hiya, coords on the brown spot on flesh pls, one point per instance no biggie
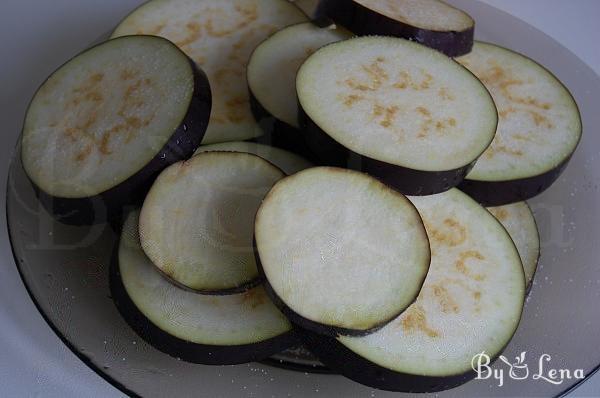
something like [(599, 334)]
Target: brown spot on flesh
[(415, 320), (444, 298), (538, 119), (376, 76), (405, 80), (445, 94), (221, 74), (351, 99), (235, 108), (254, 298), (246, 14), (84, 154), (521, 137), (455, 234), (477, 295), (155, 30), (500, 78), (461, 264), (128, 74), (500, 213), (388, 114), (194, 32)]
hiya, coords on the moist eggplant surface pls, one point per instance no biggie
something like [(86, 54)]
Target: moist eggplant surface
[(539, 127), (219, 36), (471, 302), (197, 221), (519, 221), (341, 252), (288, 162), (203, 329), (396, 109), (106, 122)]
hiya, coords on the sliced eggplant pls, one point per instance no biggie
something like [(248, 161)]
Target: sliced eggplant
[(210, 330), (219, 36), (104, 124), (274, 63), (538, 131), (341, 253), (471, 302), (272, 81), (519, 221), (429, 22), (197, 221), (397, 110), (288, 162)]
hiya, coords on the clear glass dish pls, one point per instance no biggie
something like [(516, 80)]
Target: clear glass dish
[(65, 270)]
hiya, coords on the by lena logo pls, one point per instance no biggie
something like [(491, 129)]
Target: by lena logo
[(519, 369)]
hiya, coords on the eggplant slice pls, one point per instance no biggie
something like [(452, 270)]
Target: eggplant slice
[(104, 124), (471, 302), (202, 329), (219, 36), (429, 22), (274, 63), (538, 131), (272, 81), (397, 110), (288, 162), (197, 221), (519, 221), (341, 252)]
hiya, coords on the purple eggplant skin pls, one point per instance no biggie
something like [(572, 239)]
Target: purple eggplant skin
[(304, 323), (108, 205), (185, 350), (221, 292), (351, 365), (405, 180), (498, 193), (278, 133), (363, 21)]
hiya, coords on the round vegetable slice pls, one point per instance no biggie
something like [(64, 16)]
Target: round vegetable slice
[(274, 63), (197, 221), (288, 162), (519, 221), (398, 110), (429, 22), (538, 130), (471, 302), (272, 81), (219, 36), (202, 329), (341, 252), (101, 127)]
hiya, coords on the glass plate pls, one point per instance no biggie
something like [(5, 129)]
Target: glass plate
[(65, 270)]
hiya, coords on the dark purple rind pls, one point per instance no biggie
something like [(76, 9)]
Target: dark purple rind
[(405, 180), (185, 350), (364, 21), (108, 205), (278, 133), (351, 365), (529, 284), (498, 193), (244, 287), (305, 323)]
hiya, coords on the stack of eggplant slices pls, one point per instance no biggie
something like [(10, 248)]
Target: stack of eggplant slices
[(255, 156)]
